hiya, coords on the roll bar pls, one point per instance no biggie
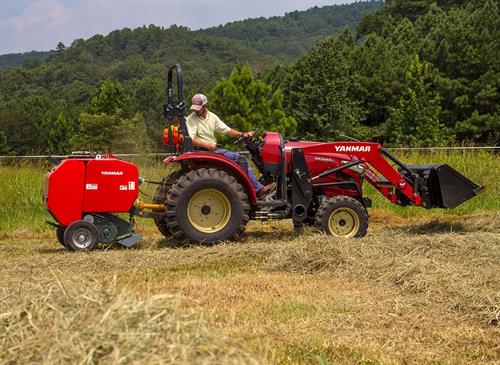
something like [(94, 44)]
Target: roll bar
[(173, 110)]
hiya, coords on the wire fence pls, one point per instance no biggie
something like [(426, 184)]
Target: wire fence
[(158, 154)]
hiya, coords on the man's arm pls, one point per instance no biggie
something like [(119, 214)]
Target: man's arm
[(236, 134), (222, 127), (204, 144)]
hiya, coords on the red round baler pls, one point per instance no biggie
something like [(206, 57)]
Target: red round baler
[(83, 192)]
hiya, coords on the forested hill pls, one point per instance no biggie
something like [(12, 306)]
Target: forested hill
[(412, 73), (20, 59), (260, 40), (295, 33)]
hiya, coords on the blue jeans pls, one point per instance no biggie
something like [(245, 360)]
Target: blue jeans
[(234, 156)]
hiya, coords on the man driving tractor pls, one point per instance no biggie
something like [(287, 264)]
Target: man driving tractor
[(202, 125)]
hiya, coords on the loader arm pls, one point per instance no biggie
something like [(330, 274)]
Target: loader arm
[(433, 186), (375, 157)]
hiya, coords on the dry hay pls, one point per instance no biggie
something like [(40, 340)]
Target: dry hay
[(418, 291), (57, 322)]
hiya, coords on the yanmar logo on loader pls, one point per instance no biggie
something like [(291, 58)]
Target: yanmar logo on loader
[(352, 148), (114, 173)]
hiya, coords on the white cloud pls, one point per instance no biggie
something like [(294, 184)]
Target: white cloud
[(44, 23)]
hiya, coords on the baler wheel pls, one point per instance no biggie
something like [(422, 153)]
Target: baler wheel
[(207, 206), (342, 216), (160, 197), (81, 236), (60, 235)]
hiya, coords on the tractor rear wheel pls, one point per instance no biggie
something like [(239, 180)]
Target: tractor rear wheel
[(160, 197), (342, 216), (207, 206)]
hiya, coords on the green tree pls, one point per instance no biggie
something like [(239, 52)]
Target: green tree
[(110, 99), (60, 134), (320, 91), (377, 68), (245, 103), (111, 133), (4, 145), (415, 121), (18, 132)]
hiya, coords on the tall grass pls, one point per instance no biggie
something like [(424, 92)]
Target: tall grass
[(21, 187)]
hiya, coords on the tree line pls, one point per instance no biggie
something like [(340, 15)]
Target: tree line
[(412, 73)]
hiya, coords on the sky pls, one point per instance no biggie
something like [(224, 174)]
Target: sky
[(39, 25)]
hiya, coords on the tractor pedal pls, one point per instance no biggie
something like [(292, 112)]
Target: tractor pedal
[(130, 240)]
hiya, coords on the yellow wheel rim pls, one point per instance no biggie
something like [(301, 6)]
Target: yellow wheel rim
[(209, 210), (343, 222)]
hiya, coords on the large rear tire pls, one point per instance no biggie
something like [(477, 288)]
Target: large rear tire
[(342, 216), (161, 196), (207, 206)]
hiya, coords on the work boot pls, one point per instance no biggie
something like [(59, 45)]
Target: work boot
[(266, 190)]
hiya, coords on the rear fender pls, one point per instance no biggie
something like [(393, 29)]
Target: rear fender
[(195, 160)]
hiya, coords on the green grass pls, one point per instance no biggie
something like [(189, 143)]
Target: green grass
[(21, 187)]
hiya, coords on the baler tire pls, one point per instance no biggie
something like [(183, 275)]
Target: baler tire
[(60, 235), (160, 197), (216, 191), (348, 210), (88, 233)]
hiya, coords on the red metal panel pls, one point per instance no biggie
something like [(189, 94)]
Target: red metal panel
[(209, 159), (271, 152), (111, 185), (64, 191)]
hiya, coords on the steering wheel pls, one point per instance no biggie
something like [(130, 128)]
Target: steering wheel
[(242, 139)]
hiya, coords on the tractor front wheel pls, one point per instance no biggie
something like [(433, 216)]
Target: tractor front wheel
[(207, 206), (342, 216)]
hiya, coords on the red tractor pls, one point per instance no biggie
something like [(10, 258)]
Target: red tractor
[(209, 198)]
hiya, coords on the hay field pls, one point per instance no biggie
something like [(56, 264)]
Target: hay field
[(421, 290), (422, 287)]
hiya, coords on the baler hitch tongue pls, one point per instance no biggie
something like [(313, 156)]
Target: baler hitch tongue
[(444, 187)]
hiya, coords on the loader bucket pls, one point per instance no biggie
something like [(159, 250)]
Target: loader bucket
[(444, 187)]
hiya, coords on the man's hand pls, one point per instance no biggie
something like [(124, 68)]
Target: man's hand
[(204, 144), (248, 135)]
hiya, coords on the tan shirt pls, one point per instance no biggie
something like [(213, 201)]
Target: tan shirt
[(205, 128)]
